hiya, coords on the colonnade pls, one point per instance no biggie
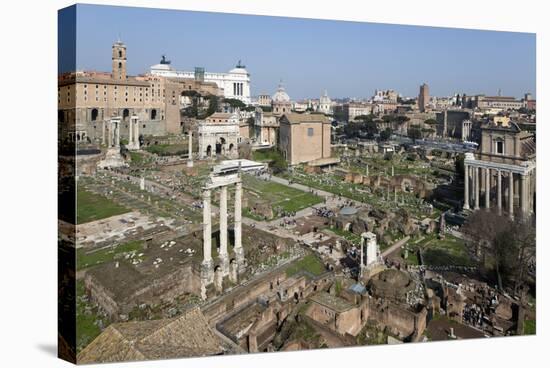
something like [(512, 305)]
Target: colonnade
[(110, 132), (507, 184)]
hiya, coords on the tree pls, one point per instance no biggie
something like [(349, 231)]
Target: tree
[(212, 105), (385, 134), (414, 133), (388, 118), (506, 246), (402, 119), (364, 117), (371, 129), (235, 103), (430, 122)]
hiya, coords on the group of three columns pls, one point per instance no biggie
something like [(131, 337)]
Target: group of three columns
[(224, 263)]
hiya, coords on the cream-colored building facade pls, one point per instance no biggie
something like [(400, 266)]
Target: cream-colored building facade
[(88, 100)]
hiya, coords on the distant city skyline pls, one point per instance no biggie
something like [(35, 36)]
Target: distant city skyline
[(348, 59)]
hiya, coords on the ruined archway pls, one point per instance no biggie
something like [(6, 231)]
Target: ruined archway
[(220, 146), (125, 114)]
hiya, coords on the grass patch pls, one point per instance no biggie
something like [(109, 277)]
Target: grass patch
[(136, 158), (92, 207), (86, 258), (281, 197), (87, 318), (309, 263), (412, 258), (348, 235), (271, 156), (167, 149), (449, 251)]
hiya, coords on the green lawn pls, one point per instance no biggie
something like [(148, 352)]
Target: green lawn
[(412, 259), (86, 258), (450, 251), (274, 157), (86, 317), (309, 263), (280, 196), (92, 207), (335, 184), (168, 149), (137, 158), (348, 235)]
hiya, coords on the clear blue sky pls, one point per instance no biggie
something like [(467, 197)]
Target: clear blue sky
[(349, 59)]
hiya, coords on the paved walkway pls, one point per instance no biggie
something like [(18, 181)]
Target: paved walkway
[(395, 246)]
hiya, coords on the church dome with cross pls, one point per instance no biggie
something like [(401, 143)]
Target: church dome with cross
[(280, 95)]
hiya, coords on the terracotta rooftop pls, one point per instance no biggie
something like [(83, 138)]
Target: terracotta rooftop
[(293, 118)]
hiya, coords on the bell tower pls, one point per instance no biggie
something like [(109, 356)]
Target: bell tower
[(119, 60)]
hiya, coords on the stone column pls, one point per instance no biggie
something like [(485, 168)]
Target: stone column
[(239, 251), (511, 194), (516, 189), (223, 231), (112, 133), (523, 196), (487, 188), (466, 187), (136, 133), (190, 150), (110, 136), (117, 136), (499, 191), (529, 193), (206, 227), (477, 187), (103, 132), (130, 135), (361, 260)]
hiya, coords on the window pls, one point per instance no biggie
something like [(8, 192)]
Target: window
[(310, 132), (499, 147)]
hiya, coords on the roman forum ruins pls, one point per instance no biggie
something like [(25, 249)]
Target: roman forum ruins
[(222, 178)]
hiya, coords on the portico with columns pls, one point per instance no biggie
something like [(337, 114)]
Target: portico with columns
[(213, 271), (499, 183), (111, 138), (113, 132)]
